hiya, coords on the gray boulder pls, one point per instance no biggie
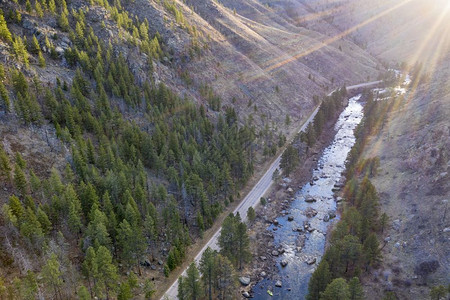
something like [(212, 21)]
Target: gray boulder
[(28, 24), (332, 214), (309, 199), (244, 280)]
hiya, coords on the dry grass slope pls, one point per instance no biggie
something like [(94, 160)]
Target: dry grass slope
[(414, 187), (256, 55)]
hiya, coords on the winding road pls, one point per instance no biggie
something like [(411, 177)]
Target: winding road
[(253, 197)]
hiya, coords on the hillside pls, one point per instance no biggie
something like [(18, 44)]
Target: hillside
[(250, 56), (127, 128), (396, 32), (413, 184)]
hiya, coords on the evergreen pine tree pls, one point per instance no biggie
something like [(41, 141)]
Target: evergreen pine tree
[(226, 282), (227, 238), (43, 220), (336, 290), (16, 207), (89, 269), (107, 272), (30, 226), (38, 9), (83, 293), (20, 181), (4, 97), (207, 268), (5, 167), (242, 244), (438, 292), (181, 293), (4, 31), (41, 59), (29, 286), (35, 48), (193, 284), (20, 50), (52, 276), (130, 242), (63, 22), (371, 249), (289, 160), (96, 231), (28, 6), (20, 161), (35, 182), (355, 289), (251, 215), (319, 281), (52, 6)]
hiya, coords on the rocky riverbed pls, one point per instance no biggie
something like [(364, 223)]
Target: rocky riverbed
[(289, 232)]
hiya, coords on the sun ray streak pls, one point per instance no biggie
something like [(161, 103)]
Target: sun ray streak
[(326, 42), (432, 60)]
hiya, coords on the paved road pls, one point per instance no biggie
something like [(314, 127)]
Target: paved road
[(252, 198), (366, 84), (361, 85)]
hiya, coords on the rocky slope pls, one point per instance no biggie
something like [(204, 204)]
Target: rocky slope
[(257, 56)]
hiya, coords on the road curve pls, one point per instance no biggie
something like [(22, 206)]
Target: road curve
[(252, 198)]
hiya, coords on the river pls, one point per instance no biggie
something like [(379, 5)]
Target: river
[(308, 244)]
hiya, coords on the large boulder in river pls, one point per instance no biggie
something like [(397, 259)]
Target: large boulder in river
[(309, 199), (310, 212), (278, 283), (246, 295), (332, 214), (244, 280), (275, 253), (284, 263), (311, 260), (339, 199)]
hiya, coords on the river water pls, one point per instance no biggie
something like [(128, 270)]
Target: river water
[(304, 246)]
